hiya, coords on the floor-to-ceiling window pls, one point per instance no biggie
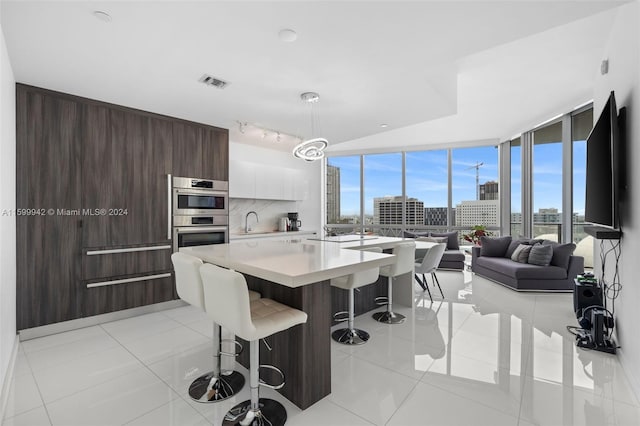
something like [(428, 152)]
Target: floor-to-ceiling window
[(581, 124), (427, 183), (383, 198), (516, 187), (547, 182), (343, 193), (475, 192)]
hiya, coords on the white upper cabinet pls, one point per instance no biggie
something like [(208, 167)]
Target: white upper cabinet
[(265, 182)]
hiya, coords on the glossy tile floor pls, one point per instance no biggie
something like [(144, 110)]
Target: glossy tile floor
[(484, 355)]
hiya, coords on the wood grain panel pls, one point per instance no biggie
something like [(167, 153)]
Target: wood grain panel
[(187, 150), (102, 300), (49, 137), (303, 352), (215, 154), (116, 264)]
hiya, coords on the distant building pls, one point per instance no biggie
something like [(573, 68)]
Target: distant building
[(333, 194), (489, 191), (550, 215), (436, 216), (388, 211), (478, 212)]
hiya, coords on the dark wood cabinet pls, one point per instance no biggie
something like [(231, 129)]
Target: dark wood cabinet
[(104, 170), (48, 152), (125, 169), (209, 145)]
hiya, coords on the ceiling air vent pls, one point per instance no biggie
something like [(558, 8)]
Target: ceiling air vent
[(212, 81)]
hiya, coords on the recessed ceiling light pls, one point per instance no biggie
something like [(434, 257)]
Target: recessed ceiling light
[(383, 125), (103, 16), (288, 35)]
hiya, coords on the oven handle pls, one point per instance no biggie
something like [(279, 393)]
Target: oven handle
[(196, 229), (193, 191), (169, 210)]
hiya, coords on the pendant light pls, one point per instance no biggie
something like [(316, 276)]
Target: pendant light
[(311, 149)]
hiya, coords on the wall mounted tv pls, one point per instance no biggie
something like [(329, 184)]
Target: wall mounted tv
[(605, 168)]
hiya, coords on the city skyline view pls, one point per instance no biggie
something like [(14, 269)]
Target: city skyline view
[(426, 177)]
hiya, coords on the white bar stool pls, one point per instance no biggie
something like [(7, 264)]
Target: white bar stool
[(214, 385), (227, 302), (352, 335), (405, 258)]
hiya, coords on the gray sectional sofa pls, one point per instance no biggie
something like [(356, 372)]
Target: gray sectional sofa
[(493, 260), (452, 258)]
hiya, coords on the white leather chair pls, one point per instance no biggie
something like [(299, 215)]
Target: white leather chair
[(405, 259), (429, 265), (212, 386), (352, 335), (227, 303)]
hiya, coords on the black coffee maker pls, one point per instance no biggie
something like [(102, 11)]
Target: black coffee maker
[(294, 223)]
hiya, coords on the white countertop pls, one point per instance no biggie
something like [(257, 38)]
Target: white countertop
[(296, 261), (268, 234)]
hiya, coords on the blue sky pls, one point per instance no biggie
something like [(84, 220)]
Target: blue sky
[(427, 176)]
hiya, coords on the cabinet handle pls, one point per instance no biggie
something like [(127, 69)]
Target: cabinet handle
[(127, 250), (169, 211), (129, 280)]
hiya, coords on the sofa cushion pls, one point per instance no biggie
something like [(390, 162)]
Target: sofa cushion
[(433, 239), (453, 256), (515, 243), (540, 255), (521, 253), (494, 246), (521, 270), (452, 243), (407, 234), (561, 253)]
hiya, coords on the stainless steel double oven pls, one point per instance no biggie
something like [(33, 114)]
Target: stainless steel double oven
[(200, 211)]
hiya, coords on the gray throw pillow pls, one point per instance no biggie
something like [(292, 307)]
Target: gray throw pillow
[(407, 234), (515, 243), (433, 239), (561, 254), (494, 246), (521, 253), (452, 239), (540, 255)]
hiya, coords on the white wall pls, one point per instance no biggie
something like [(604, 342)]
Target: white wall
[(623, 51), (269, 211), (7, 203)]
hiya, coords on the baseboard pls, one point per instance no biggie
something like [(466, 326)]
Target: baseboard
[(8, 378), (61, 327)]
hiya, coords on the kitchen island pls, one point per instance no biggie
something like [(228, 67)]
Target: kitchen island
[(296, 272)]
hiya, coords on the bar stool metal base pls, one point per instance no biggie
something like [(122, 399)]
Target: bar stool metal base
[(271, 413), (350, 336), (389, 317), (207, 389)]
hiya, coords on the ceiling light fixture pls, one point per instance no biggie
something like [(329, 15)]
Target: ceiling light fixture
[(384, 125), (103, 16), (288, 35), (311, 149), (242, 126)]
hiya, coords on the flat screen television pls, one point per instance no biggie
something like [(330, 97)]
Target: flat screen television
[(604, 168)]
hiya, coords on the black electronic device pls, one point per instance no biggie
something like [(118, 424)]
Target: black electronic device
[(597, 323), (585, 294), (604, 171)]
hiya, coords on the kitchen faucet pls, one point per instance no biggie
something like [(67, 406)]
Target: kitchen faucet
[(247, 228)]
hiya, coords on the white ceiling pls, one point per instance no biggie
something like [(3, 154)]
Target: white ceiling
[(436, 72)]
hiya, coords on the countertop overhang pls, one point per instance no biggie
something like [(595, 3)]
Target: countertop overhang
[(295, 262)]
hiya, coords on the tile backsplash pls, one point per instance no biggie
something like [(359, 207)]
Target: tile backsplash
[(269, 213)]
